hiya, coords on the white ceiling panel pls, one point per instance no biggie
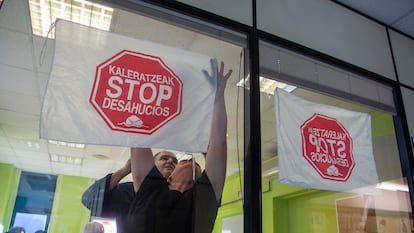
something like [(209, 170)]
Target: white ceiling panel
[(98, 164), (18, 80), (64, 150), (20, 132), (397, 14), (7, 151), (114, 153), (28, 145), (20, 103), (4, 142), (7, 157), (405, 24), (25, 164), (40, 169), (65, 169), (19, 119), (12, 40), (383, 10), (33, 162), (11, 9)]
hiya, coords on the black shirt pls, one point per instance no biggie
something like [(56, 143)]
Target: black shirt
[(157, 209), (109, 203)]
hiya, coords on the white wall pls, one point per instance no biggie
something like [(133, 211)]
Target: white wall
[(238, 10), (403, 49), (331, 29)]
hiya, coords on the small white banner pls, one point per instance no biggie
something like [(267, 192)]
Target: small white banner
[(109, 89), (322, 146)]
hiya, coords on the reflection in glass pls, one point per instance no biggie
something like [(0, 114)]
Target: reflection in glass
[(289, 208)]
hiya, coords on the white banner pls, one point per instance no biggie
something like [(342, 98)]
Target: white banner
[(322, 146), (109, 89)]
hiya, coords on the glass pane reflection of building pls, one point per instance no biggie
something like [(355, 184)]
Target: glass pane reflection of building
[(383, 208)]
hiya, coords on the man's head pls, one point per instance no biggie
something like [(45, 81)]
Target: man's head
[(165, 161), (182, 178), (93, 227), (16, 230)]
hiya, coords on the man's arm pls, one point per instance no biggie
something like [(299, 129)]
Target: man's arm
[(93, 197), (142, 162), (216, 158), (120, 174), (96, 192)]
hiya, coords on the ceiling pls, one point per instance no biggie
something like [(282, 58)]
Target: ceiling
[(398, 15), (24, 77)]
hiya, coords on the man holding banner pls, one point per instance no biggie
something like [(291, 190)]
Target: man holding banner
[(110, 199), (140, 94), (159, 206)]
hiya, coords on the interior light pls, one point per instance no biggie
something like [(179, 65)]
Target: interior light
[(72, 145), (43, 14), (31, 145), (392, 186), (268, 85), (65, 159)]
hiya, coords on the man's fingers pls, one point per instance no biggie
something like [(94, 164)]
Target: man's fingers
[(206, 73), (228, 74), (221, 68)]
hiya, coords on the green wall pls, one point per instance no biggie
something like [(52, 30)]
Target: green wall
[(285, 208), (10, 177), (231, 202), (68, 213)]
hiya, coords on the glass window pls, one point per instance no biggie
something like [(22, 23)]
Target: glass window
[(210, 40), (78, 166), (34, 200), (381, 205)]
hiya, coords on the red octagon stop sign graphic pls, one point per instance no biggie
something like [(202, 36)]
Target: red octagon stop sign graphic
[(327, 146), (136, 92)]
